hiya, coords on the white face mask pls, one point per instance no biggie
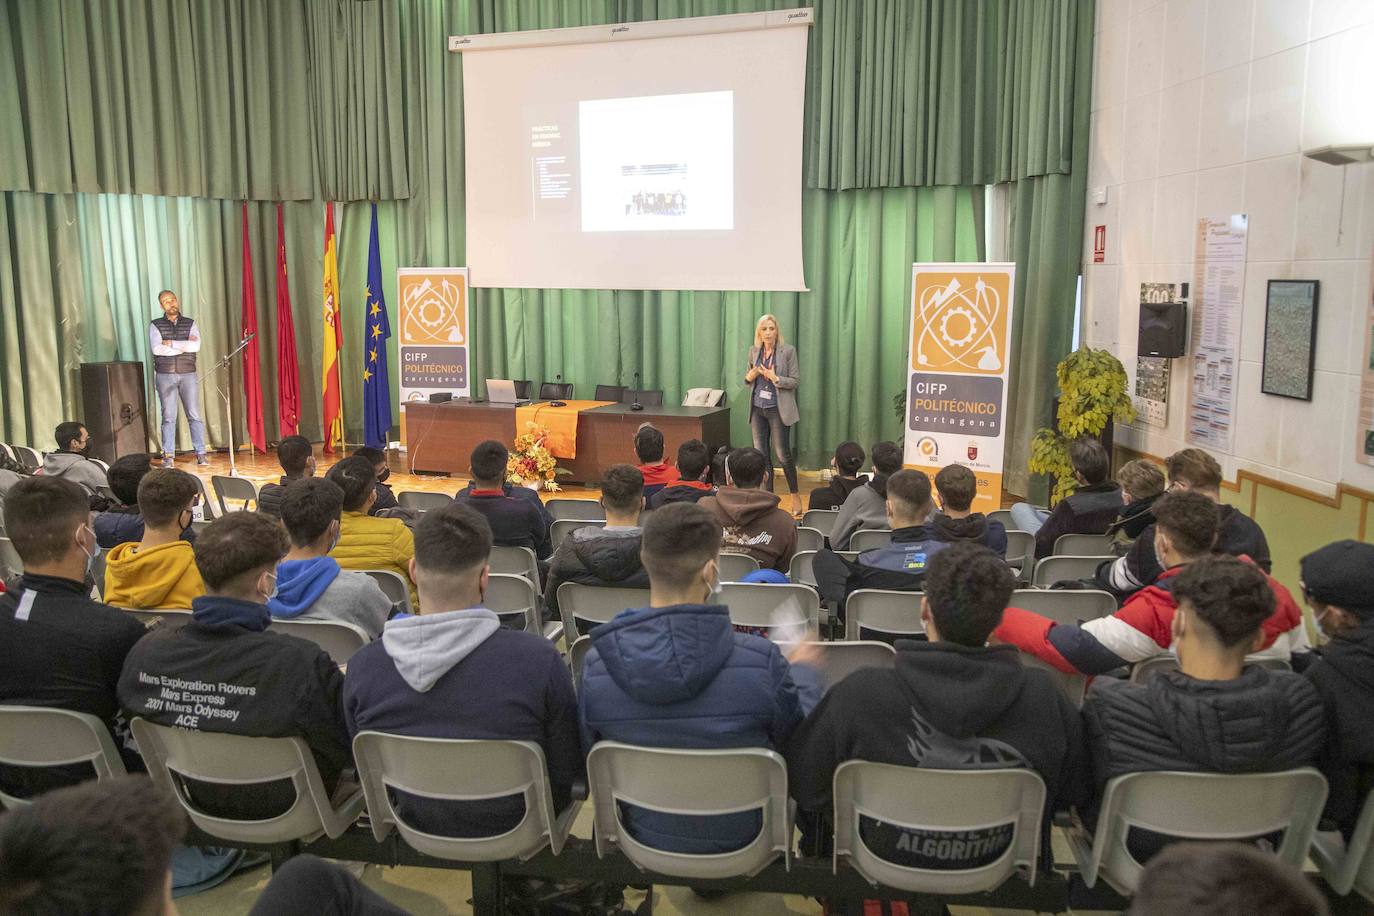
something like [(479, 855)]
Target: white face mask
[(714, 589), (90, 554)]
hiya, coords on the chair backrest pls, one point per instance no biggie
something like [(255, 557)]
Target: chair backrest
[(809, 538), (565, 526), (939, 805), (205, 509), (691, 782), (1003, 516), (649, 397), (394, 586), (6, 450), (460, 770), (735, 566), (588, 509), (10, 563), (1073, 686), (517, 560), (166, 617), (335, 637), (767, 604), (422, 501), (823, 520), (592, 604), (878, 611), (1020, 554), (35, 736), (802, 569), (1052, 569), (1200, 806), (577, 658), (1349, 866), (868, 538), (609, 393), (552, 391), (28, 457), (173, 754), (840, 658), (515, 601), (522, 388), (1067, 606), (102, 559), (1082, 545), (239, 488), (703, 397)]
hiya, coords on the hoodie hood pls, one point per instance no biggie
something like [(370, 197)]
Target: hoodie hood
[(959, 690), (1240, 725), (151, 577), (1135, 517), (667, 654), (879, 484), (839, 488), (55, 464), (612, 556), (300, 583), (745, 507), (425, 647), (971, 528)]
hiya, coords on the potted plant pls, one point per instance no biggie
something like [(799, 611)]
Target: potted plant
[(1092, 393)]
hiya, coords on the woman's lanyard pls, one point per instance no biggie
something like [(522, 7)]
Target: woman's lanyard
[(766, 362)]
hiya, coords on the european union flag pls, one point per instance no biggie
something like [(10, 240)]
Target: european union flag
[(376, 381)]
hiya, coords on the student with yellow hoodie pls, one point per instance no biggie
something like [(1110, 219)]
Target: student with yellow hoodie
[(367, 541), (160, 570)]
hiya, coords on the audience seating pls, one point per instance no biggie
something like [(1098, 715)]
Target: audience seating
[(1066, 606), (766, 604), (555, 391), (335, 637), (394, 586), (207, 509), (422, 501), (1003, 516), (518, 560), (239, 488), (823, 520), (466, 770), (166, 617), (28, 457), (1143, 671), (1073, 686), (594, 604), (1056, 568), (878, 611), (565, 526), (513, 597), (563, 508), (649, 397), (1349, 866), (690, 782), (933, 800), (1020, 553), (1082, 545), (839, 658), (612, 393), (577, 657), (37, 736), (869, 538), (735, 566), (809, 539), (215, 757), (102, 559), (8, 452), (801, 570), (10, 563)]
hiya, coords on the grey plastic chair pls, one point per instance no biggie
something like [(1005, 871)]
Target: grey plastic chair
[(1052, 569), (1073, 686), (1349, 866), (1198, 806), (28, 457), (766, 604), (207, 509), (593, 605), (735, 566), (514, 597), (577, 658), (1020, 554), (802, 569), (10, 563), (823, 520), (563, 508), (335, 637), (842, 657), (36, 736), (102, 559), (869, 538), (461, 770), (929, 801), (1068, 606), (809, 539), (565, 526), (1143, 672), (1082, 545), (520, 561), (691, 782), (873, 610), (165, 617), (238, 760), (394, 586), (422, 501), (239, 488), (1003, 516)]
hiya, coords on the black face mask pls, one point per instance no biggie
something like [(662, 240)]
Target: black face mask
[(85, 452), (381, 478)]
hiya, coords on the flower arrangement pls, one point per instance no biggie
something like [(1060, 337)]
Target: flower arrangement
[(531, 461)]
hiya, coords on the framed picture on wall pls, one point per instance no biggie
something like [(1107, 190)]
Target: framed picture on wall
[(1290, 338)]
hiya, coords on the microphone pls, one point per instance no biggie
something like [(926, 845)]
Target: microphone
[(636, 405), (558, 380)]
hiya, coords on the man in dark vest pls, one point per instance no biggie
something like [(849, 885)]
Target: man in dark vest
[(175, 341)]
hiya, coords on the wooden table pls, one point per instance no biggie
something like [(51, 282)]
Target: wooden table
[(440, 437)]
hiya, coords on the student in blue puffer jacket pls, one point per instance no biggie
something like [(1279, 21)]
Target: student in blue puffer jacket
[(676, 674)]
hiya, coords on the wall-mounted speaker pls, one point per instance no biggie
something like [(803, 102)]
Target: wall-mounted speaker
[(1163, 329)]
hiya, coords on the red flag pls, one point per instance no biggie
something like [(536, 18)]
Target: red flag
[(252, 382), (288, 381)]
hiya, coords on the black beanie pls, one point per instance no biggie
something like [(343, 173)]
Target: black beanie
[(1341, 574)]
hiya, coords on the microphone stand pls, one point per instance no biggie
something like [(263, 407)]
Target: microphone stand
[(636, 405), (225, 363)]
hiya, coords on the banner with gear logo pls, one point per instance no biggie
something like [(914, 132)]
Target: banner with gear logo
[(434, 350), (957, 383)]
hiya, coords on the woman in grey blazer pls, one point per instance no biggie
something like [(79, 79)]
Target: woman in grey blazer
[(773, 376)]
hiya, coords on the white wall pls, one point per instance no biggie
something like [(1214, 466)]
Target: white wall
[(1202, 108)]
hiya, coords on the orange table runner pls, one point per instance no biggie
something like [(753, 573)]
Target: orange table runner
[(561, 422)]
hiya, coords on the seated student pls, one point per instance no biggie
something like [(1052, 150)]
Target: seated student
[(310, 583), (386, 499), (160, 570), (1237, 535), (228, 661), (901, 565), (956, 521), (1090, 509), (123, 523), (951, 703), (753, 523), (58, 648), (1223, 879), (366, 542), (510, 489), (866, 505), (297, 458), (1184, 533), (649, 449), (72, 458), (1142, 482), (676, 674), (1215, 714), (604, 556), (845, 463), (514, 522), (693, 458), (1338, 583), (454, 672)]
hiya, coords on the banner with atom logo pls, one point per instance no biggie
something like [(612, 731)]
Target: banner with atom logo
[(432, 303)]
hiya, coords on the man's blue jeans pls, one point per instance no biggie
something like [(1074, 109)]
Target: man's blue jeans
[(1028, 517), (183, 385)]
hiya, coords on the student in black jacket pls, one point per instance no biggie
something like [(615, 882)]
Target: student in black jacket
[(693, 458), (1142, 484), (514, 522), (226, 671), (1090, 509), (956, 521), (297, 458), (845, 463), (951, 703), (385, 498), (606, 556)]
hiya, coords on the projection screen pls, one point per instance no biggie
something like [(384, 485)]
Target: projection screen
[(653, 155)]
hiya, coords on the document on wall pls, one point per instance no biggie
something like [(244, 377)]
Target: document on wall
[(1217, 299)]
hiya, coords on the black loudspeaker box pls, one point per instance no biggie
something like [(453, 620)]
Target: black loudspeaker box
[(115, 403), (1163, 329)]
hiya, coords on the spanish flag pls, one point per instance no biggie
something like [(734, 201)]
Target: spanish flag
[(333, 338)]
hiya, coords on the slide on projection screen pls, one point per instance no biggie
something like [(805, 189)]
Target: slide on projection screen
[(652, 155)]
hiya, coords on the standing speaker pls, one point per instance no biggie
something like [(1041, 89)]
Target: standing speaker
[(114, 399), (1163, 329)]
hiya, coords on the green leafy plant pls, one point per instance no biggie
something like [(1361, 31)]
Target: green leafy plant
[(1092, 392)]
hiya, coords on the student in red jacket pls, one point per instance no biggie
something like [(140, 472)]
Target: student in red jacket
[(649, 449)]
